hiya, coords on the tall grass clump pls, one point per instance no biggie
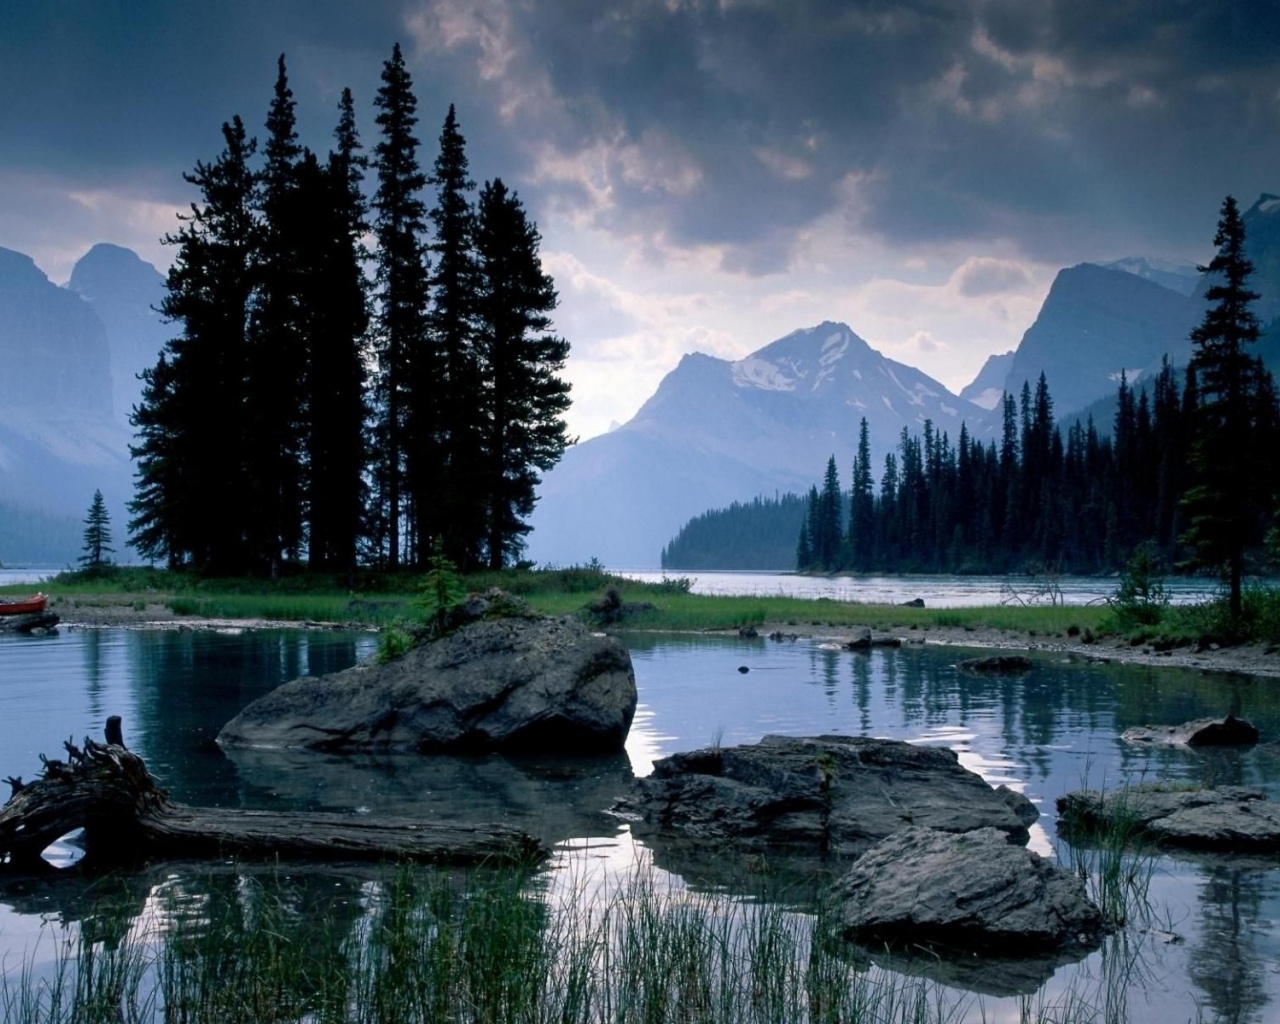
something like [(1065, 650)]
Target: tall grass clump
[(418, 946), (1109, 856)]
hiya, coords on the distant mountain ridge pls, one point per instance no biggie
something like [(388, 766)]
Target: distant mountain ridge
[(717, 430), (70, 358)]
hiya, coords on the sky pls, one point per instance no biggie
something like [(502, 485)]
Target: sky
[(706, 174)]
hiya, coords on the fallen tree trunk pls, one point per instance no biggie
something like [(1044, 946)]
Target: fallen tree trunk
[(106, 790)]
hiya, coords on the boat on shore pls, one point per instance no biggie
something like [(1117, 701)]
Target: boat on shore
[(32, 605)]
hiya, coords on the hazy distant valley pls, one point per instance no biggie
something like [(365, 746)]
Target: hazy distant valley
[(715, 431)]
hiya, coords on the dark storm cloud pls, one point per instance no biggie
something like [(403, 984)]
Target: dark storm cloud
[(1069, 127), (115, 89), (1058, 124)]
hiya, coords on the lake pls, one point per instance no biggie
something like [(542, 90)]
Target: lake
[(1206, 947), (937, 591)]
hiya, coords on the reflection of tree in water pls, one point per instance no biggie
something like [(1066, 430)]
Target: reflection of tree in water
[(91, 644), (189, 684), (860, 669), (1226, 963)]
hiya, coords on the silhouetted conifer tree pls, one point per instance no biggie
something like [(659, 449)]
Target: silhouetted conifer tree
[(97, 535), (455, 292), (525, 399), (190, 435), (406, 399), (275, 410), (1230, 484)]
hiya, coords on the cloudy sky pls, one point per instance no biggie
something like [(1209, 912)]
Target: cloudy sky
[(706, 174)]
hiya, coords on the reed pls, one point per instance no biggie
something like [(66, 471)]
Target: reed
[(496, 947)]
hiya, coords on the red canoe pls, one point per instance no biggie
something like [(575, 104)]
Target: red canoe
[(23, 605)]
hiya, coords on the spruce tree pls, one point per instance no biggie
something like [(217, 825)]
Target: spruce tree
[(1227, 499), (862, 504), (455, 287), (97, 536), (406, 398), (275, 395), (337, 322), (525, 399), (190, 433)]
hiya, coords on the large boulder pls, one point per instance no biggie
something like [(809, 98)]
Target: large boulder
[(1203, 732), (1227, 819), (825, 794), (512, 684), (972, 890)]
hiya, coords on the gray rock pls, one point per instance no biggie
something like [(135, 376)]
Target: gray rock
[(1203, 732), (865, 640), (826, 794), (1227, 819), (972, 890), (515, 684)]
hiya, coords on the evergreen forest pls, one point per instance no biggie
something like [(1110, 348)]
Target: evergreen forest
[(363, 369), (1190, 467)]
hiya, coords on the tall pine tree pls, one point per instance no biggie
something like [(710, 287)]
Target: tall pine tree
[(190, 436), (275, 395), (525, 400), (337, 318), (1227, 499), (406, 398), (455, 284)]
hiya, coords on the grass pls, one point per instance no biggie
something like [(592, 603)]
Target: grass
[(388, 600), (424, 947)]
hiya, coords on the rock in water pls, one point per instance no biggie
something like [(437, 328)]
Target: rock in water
[(836, 794), (998, 664), (1228, 819), (973, 890), (513, 684), (1203, 732)]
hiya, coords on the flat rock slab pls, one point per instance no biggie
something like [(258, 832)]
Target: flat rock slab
[(1203, 732), (972, 891), (825, 794), (1226, 819), (533, 685)]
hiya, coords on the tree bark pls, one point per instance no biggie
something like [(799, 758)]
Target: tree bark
[(106, 790)]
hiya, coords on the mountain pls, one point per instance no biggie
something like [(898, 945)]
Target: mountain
[(718, 431), (1178, 277), (124, 291), (986, 389), (1094, 323), (59, 440)]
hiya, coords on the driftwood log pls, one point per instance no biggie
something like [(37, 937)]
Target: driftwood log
[(105, 789)]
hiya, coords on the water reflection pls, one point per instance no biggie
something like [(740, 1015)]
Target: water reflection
[(1046, 732)]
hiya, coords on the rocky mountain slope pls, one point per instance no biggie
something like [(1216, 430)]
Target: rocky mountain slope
[(716, 431)]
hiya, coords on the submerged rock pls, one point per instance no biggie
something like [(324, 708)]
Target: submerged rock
[(514, 684), (1203, 732), (973, 890), (997, 663), (1226, 819), (833, 794)]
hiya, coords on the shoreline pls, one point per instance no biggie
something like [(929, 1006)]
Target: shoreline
[(1243, 659)]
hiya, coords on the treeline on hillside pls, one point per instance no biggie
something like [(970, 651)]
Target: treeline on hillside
[(327, 401), (1191, 469), (759, 534), (1071, 500)]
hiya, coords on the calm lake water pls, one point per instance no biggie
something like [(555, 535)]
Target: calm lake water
[(939, 591), (1207, 949)]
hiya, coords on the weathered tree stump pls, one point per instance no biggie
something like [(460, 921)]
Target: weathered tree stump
[(106, 790)]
